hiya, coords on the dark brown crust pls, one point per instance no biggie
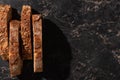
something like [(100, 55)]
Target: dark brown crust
[(26, 32), (37, 38), (15, 61), (5, 16)]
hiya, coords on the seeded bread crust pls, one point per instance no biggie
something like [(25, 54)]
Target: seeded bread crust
[(26, 32), (37, 38), (5, 16), (15, 61)]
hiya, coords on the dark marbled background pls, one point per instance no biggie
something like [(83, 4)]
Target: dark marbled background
[(81, 40)]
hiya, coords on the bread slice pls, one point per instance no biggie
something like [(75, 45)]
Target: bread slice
[(15, 61), (5, 16), (37, 39), (26, 32)]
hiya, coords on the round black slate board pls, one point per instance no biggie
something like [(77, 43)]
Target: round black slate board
[(81, 40)]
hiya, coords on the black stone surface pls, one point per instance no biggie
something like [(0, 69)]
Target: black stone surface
[(81, 40)]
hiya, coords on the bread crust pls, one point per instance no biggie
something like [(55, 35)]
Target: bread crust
[(15, 61), (26, 32), (5, 16), (37, 39)]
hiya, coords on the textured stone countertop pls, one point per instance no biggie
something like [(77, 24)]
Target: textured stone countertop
[(81, 40)]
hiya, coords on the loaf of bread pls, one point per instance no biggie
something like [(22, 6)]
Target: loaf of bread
[(15, 61), (26, 32), (37, 39), (5, 16)]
